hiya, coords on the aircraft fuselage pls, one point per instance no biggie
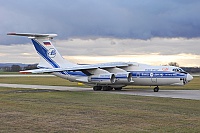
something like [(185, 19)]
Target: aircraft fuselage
[(141, 74)]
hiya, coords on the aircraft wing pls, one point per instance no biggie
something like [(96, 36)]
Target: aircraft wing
[(79, 67)]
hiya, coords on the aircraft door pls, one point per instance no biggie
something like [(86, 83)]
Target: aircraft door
[(153, 78), (138, 75)]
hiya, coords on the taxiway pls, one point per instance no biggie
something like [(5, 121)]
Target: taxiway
[(183, 94)]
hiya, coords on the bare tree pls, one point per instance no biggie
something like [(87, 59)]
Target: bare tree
[(173, 64), (15, 68)]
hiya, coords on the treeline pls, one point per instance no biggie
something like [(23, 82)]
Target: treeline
[(17, 68), (191, 69)]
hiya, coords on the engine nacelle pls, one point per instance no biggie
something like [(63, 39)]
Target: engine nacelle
[(123, 77), (102, 78)]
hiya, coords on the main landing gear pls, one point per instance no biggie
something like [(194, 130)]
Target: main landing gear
[(105, 88), (156, 89), (109, 88)]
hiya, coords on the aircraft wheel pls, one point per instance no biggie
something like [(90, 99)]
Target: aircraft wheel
[(110, 88), (104, 88), (107, 88), (118, 89), (156, 89), (97, 88)]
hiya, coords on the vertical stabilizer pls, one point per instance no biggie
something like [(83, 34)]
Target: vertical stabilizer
[(49, 56)]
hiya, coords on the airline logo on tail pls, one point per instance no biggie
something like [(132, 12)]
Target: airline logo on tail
[(51, 52)]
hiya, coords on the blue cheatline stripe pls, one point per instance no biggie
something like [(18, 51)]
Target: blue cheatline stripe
[(157, 74), (141, 74), (121, 77), (97, 79)]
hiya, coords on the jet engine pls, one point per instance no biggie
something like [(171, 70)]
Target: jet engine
[(108, 78), (123, 77)]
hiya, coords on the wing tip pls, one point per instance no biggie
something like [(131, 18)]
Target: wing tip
[(11, 33), (24, 72)]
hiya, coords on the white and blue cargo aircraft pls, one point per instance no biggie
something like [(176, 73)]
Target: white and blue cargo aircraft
[(105, 76)]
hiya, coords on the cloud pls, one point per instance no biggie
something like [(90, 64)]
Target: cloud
[(155, 51), (18, 53), (115, 46), (102, 28), (91, 18), (182, 59)]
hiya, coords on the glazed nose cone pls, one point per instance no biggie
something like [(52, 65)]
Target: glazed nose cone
[(189, 77)]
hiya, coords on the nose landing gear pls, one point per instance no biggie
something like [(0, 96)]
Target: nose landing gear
[(156, 89)]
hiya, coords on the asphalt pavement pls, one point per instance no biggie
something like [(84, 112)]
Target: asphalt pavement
[(183, 94)]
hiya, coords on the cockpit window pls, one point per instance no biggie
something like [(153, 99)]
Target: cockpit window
[(178, 70), (181, 70)]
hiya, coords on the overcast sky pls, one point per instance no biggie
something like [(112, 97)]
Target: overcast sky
[(108, 29)]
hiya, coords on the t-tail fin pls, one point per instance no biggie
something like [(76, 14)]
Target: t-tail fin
[(49, 56)]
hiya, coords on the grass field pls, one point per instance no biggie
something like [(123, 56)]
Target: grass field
[(31, 110), (55, 81), (27, 110)]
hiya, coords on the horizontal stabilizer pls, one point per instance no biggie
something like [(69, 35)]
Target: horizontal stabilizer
[(33, 35), (37, 71)]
